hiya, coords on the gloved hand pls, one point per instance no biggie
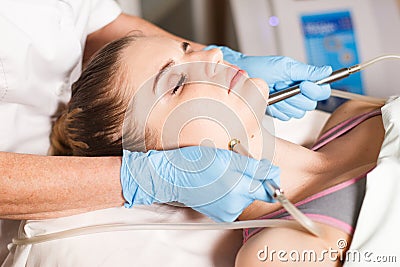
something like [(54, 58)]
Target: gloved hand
[(279, 73), (216, 182)]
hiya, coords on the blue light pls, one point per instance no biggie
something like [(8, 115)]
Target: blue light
[(273, 21)]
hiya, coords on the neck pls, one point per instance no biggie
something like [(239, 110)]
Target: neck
[(305, 172), (301, 168), (301, 171)]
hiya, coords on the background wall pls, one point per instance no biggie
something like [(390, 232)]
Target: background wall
[(204, 21)]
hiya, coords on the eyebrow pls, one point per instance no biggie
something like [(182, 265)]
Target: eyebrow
[(169, 64)]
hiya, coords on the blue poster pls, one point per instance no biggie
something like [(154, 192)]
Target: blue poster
[(330, 40)]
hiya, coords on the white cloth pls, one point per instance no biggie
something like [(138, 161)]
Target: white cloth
[(169, 248), (377, 235), (40, 56)]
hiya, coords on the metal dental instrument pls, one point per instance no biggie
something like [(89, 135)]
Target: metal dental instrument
[(279, 195), (335, 76)]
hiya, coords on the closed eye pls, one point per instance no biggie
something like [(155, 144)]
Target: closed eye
[(186, 47), (180, 84)]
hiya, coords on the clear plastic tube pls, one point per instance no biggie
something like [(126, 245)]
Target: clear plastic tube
[(353, 96), (377, 59), (95, 229)]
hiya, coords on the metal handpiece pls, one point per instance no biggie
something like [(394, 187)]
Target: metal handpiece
[(294, 90), (279, 195)]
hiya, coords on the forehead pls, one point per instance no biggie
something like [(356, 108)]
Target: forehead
[(145, 52), (146, 55)]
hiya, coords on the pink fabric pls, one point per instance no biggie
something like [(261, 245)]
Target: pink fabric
[(332, 222), (332, 189), (316, 217), (343, 128), (317, 195)]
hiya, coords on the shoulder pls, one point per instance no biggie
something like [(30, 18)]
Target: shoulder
[(348, 110)]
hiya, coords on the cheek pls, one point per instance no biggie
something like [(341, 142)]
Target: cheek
[(239, 120), (204, 132), (211, 133), (194, 119), (251, 136), (183, 127)]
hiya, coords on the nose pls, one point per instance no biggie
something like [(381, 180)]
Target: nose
[(207, 63), (213, 55)]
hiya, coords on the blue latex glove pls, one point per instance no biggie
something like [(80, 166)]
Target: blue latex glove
[(216, 182), (279, 73)]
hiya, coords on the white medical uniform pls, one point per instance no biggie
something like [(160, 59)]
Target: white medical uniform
[(41, 48), (40, 52)]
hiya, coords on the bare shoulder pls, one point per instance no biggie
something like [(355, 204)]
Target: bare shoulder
[(347, 110)]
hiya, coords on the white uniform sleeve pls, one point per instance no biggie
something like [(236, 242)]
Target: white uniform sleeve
[(103, 12)]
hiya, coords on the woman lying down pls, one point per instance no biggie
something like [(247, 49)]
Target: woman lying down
[(327, 181)]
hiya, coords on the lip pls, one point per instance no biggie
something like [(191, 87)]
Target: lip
[(236, 77)]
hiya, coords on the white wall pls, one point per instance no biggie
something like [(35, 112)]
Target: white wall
[(131, 7)]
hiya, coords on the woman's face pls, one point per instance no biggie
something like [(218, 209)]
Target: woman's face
[(192, 97)]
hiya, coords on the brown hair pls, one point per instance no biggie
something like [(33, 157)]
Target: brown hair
[(91, 123)]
